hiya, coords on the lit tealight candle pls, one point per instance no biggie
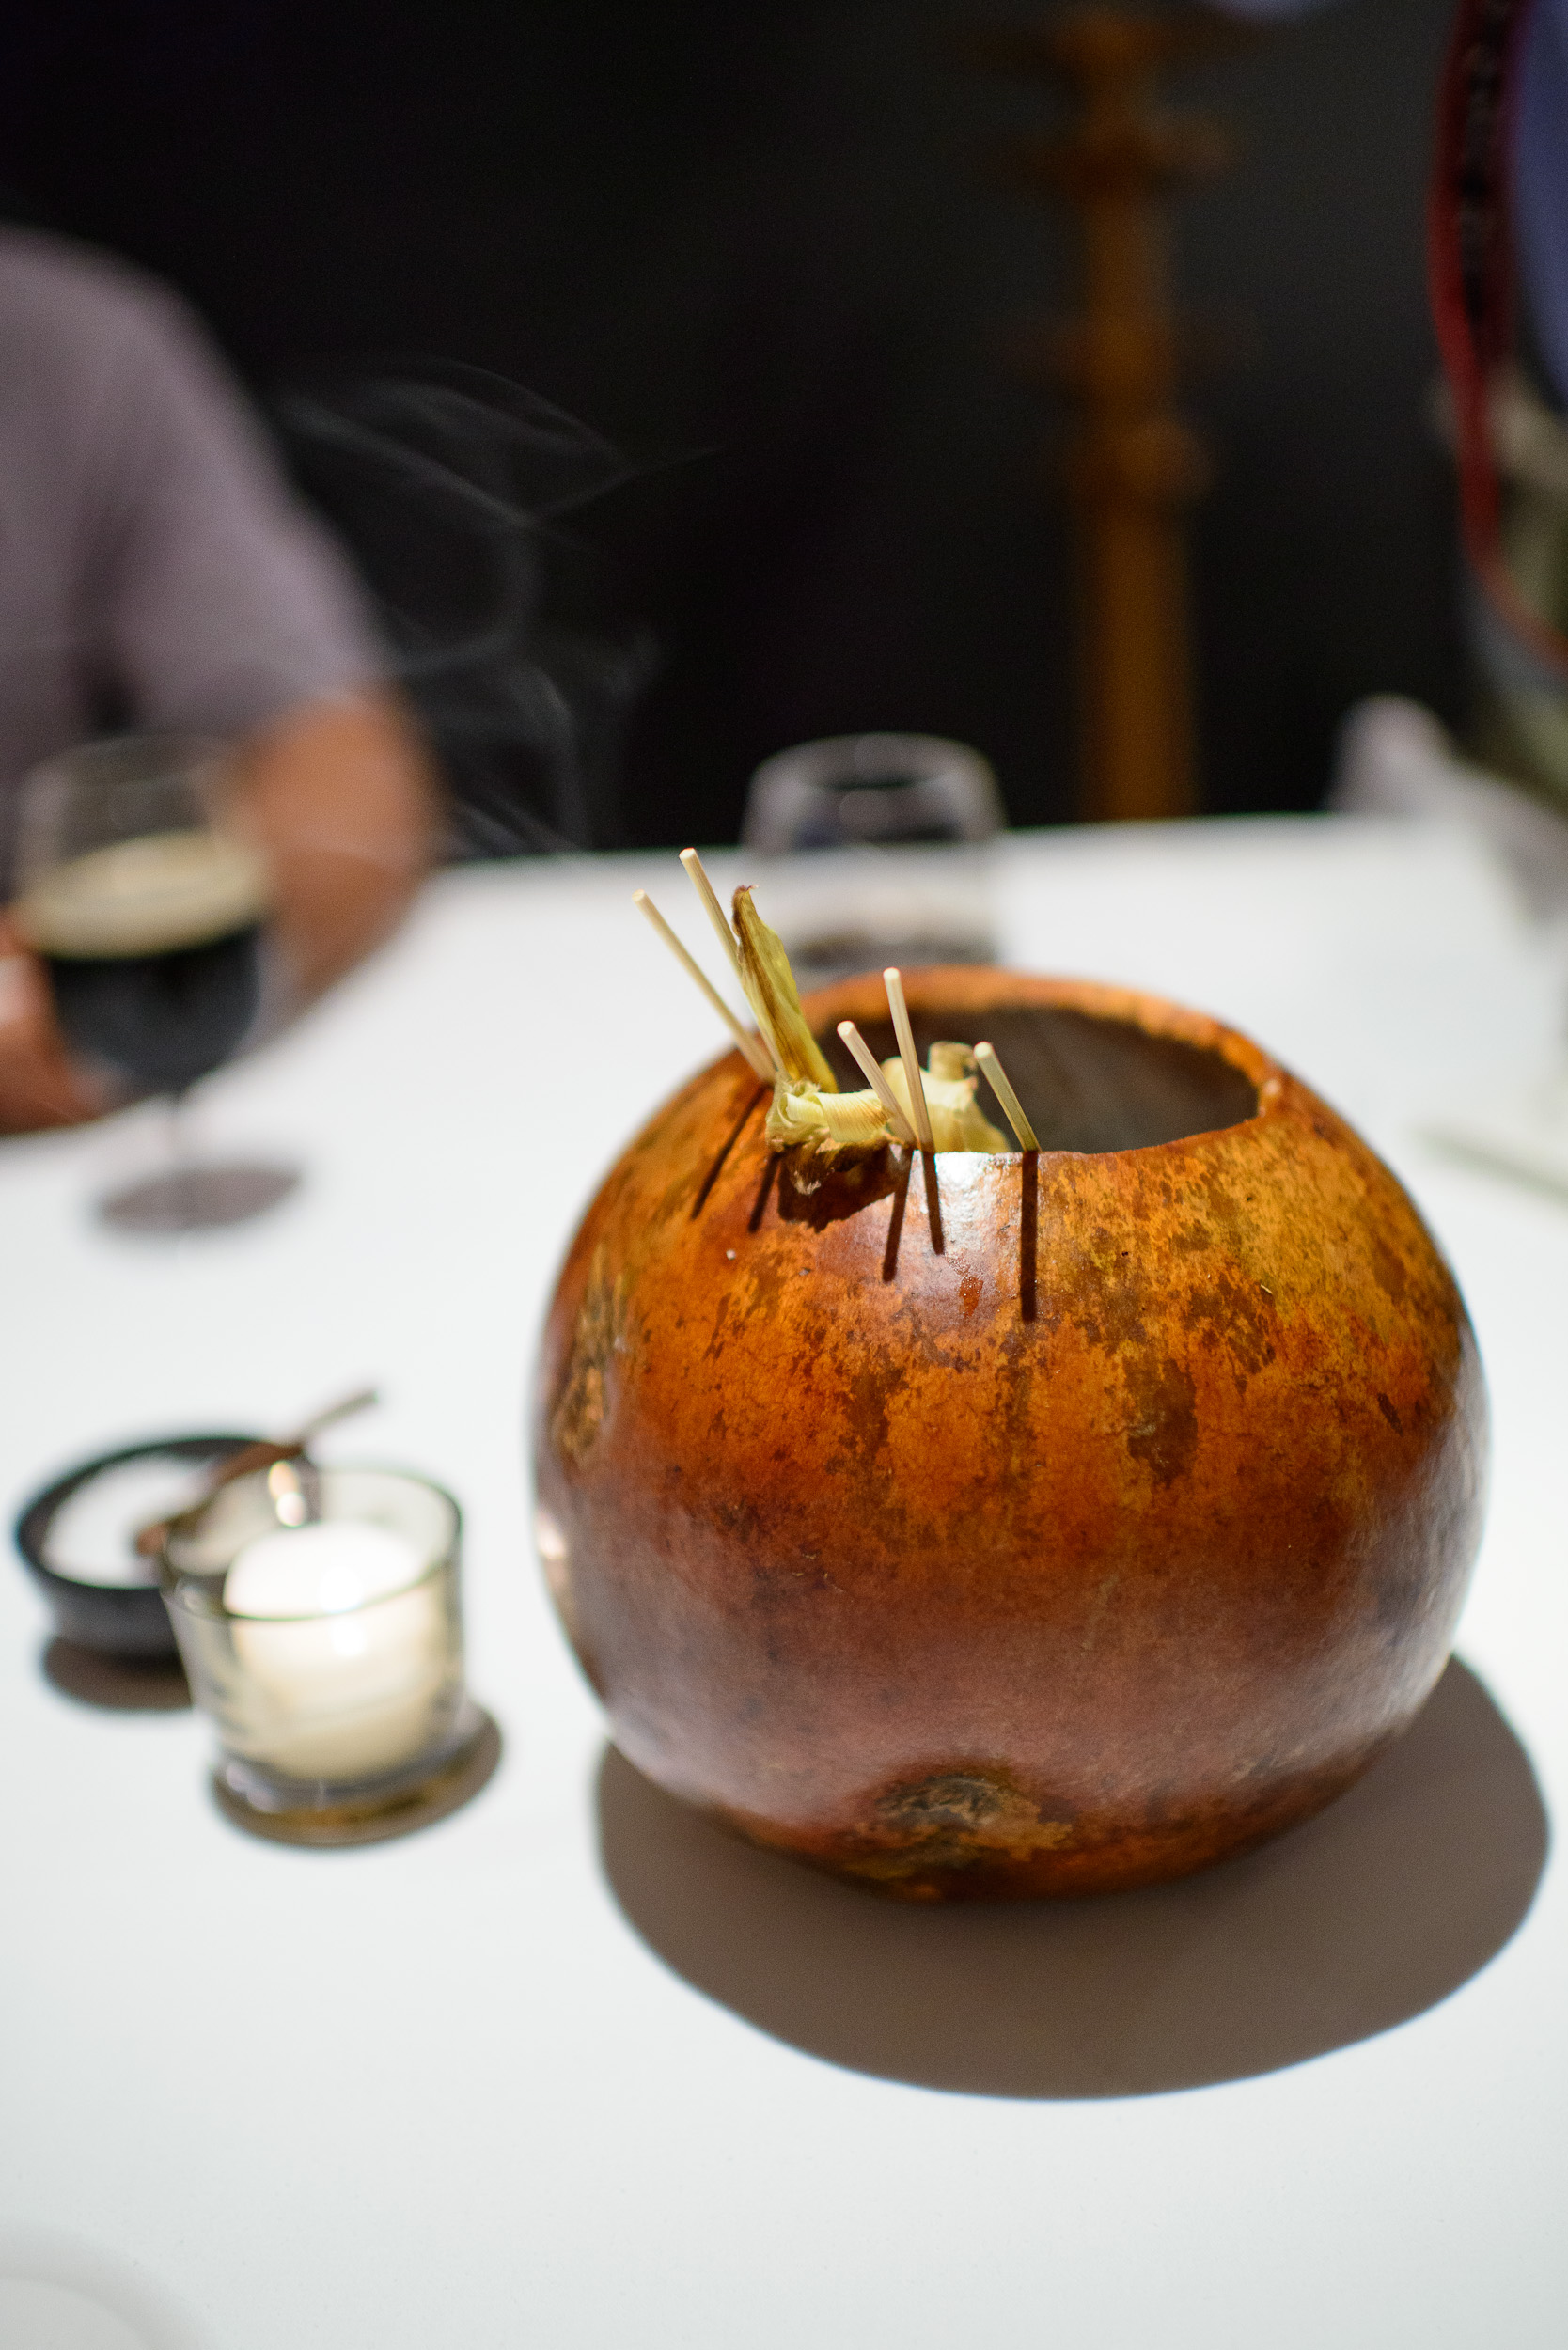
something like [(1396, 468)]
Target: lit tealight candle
[(348, 1653)]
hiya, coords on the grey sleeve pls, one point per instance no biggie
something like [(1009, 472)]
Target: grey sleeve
[(221, 602)]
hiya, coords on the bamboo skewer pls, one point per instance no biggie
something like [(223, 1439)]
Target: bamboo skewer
[(751, 1047), (902, 1131), (727, 939), (893, 982), (996, 1077), (711, 907)]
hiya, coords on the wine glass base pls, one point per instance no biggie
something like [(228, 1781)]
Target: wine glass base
[(197, 1199)]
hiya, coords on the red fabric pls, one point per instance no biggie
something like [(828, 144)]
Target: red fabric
[(1470, 268)]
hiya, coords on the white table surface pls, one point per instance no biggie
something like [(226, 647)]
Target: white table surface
[(443, 2092)]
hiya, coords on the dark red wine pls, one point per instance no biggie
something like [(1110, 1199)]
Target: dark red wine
[(160, 1020), (152, 948)]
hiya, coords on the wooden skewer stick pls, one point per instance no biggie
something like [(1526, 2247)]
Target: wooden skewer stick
[(726, 937), (751, 1047), (892, 979), (264, 1453), (902, 1131), (711, 907), (996, 1077)]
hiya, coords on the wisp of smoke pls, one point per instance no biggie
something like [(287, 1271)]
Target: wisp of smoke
[(454, 490)]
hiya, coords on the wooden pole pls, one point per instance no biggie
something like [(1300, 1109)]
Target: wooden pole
[(1134, 466)]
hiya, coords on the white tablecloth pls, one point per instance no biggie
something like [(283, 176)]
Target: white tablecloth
[(446, 2091)]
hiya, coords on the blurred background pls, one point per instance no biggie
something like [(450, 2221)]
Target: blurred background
[(748, 277)]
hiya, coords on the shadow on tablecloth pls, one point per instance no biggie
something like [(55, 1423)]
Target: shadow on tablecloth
[(60, 2289), (115, 1685), (1362, 1917)]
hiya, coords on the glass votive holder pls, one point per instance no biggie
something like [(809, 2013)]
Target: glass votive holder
[(318, 1615)]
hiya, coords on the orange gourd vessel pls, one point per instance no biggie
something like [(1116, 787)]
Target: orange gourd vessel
[(1036, 1524)]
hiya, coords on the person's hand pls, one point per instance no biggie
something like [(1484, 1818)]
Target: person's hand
[(39, 1084)]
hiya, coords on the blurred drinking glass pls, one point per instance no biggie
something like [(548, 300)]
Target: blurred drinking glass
[(918, 815), (146, 903)]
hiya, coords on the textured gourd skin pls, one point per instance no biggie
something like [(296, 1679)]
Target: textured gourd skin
[(1108, 1540)]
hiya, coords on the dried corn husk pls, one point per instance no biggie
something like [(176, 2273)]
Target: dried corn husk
[(828, 1130), (770, 987), (957, 1120), (810, 1116)]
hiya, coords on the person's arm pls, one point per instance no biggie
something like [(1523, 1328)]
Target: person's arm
[(343, 797), (219, 607), (227, 608)]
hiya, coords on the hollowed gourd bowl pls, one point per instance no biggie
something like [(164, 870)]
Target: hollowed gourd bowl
[(1037, 1524)]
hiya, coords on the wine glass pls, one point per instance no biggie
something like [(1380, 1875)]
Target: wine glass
[(912, 817), (146, 903)]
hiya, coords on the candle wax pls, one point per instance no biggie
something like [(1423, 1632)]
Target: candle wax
[(319, 1570), (347, 1666)]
